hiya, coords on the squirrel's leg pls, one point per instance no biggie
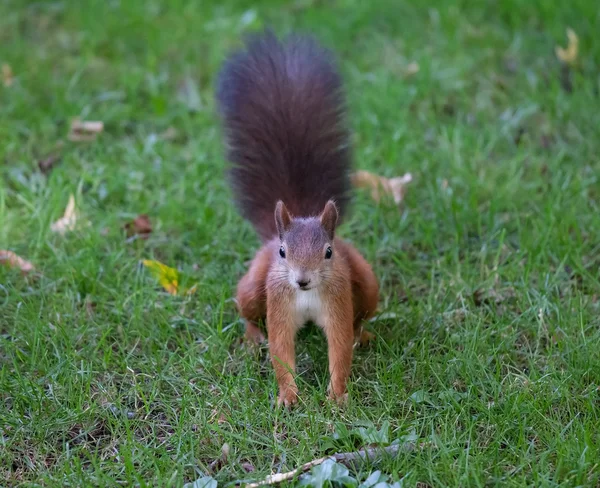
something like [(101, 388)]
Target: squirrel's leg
[(281, 330), (362, 337), (252, 298), (365, 296), (251, 305), (338, 328), (254, 334)]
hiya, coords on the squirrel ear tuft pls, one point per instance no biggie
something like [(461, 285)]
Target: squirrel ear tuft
[(282, 218), (329, 218)]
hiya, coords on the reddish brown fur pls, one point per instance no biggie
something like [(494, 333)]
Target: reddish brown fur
[(287, 140), (350, 293)]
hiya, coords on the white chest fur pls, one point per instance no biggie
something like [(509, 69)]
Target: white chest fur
[(309, 307)]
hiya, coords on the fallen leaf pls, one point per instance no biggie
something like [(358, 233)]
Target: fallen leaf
[(166, 276), (218, 463), (10, 259), (213, 417), (189, 95), (394, 187), (411, 69), (169, 278), (85, 130), (569, 55), (421, 484), (48, 163), (68, 221), (169, 134), (7, 75), (192, 290), (90, 307), (141, 226)]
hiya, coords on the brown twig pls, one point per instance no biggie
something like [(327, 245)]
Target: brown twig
[(348, 459)]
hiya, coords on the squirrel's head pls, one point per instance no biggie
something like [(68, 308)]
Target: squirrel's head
[(307, 252)]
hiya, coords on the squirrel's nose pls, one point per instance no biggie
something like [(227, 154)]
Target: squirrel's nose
[(303, 283)]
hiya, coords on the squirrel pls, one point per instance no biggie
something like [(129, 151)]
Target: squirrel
[(287, 144)]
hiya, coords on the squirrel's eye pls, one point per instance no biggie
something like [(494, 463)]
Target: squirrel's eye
[(282, 252), (328, 252)]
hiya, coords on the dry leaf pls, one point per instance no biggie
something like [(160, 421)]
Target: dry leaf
[(48, 163), (10, 259), (169, 134), (192, 290), (411, 69), (189, 94), (394, 187), (68, 220), (569, 55), (7, 75), (141, 226), (90, 307), (85, 130), (218, 463), (213, 417), (169, 278)]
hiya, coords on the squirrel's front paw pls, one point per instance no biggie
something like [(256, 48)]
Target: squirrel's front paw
[(366, 338), (340, 398), (253, 335), (288, 396)]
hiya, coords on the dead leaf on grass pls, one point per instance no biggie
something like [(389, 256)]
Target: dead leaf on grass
[(68, 221), (569, 55), (170, 134), (169, 278), (85, 130), (189, 94), (141, 226), (221, 417), (218, 463), (46, 164), (411, 69), (90, 306), (12, 260), (7, 75), (394, 187), (191, 290)]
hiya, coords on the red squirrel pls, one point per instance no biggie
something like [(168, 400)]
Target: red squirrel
[(287, 142)]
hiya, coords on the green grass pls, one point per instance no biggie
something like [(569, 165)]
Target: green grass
[(490, 352)]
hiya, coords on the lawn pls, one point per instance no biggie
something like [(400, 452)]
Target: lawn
[(487, 354)]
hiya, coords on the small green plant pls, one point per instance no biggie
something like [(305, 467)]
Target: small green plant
[(332, 474), (204, 482)]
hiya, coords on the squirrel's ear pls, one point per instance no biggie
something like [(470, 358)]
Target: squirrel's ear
[(282, 218), (329, 218)]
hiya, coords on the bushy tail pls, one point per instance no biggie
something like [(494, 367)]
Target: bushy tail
[(283, 114)]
